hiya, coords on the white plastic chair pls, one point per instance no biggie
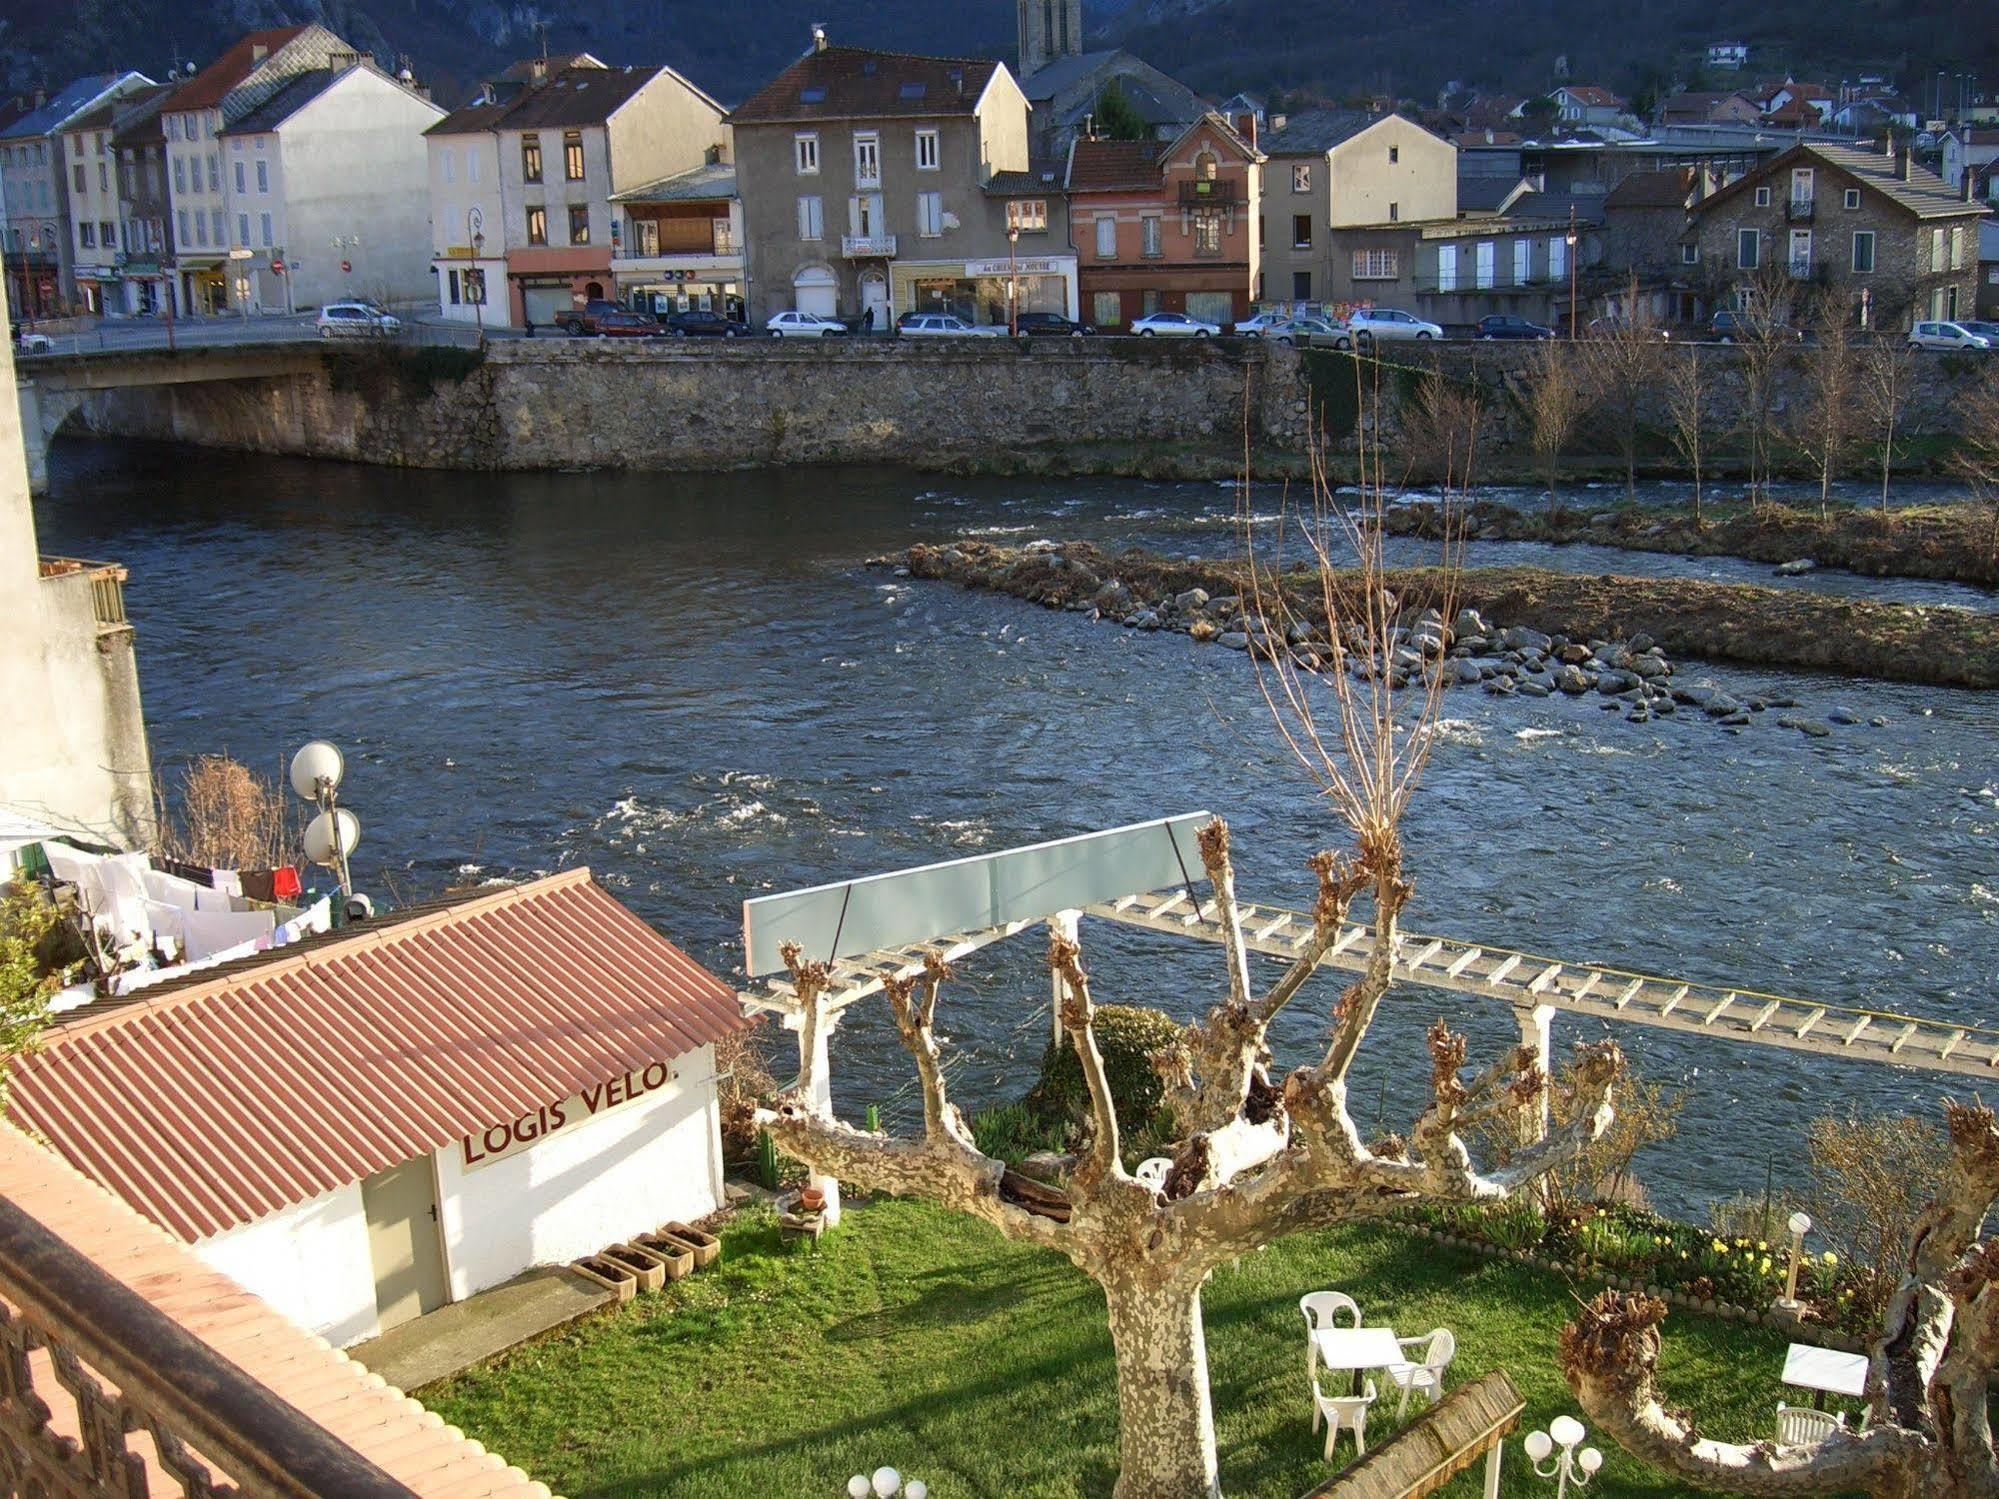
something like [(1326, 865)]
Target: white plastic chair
[(1349, 1411), (1801, 1426), (1152, 1171), (1424, 1375), (1322, 1309)]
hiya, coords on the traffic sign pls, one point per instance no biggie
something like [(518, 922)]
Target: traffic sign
[(239, 253), (347, 265)]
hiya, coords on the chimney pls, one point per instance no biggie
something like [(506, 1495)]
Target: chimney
[(818, 38), (1904, 163), (958, 79), (538, 70), (1278, 122), (1089, 127), (1245, 126), (41, 97), (1964, 183)]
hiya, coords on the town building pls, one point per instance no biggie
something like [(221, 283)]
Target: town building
[(1709, 108), (1888, 235), (1988, 270), (35, 182), (255, 67), (1589, 104), (105, 234), (363, 1126), (1066, 85), (146, 238), (1331, 170), (678, 243), (1728, 57), (1166, 226), (1972, 149), (878, 183), (323, 190), (522, 179)]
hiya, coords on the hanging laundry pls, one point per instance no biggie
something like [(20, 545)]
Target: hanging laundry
[(286, 884), (211, 932)]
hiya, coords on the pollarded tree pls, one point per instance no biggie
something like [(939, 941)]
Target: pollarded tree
[(1927, 1436), (1260, 1156)]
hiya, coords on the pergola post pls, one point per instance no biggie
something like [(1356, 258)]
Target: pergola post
[(1065, 924), (819, 1068), (1537, 1034)]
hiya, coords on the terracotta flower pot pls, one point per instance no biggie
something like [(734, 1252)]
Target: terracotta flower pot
[(812, 1200)]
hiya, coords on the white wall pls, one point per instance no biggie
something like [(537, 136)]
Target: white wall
[(465, 174), (310, 1261), (587, 1185)]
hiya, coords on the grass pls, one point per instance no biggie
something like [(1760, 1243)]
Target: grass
[(918, 1337)]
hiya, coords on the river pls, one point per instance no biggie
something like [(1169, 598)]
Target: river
[(694, 686)]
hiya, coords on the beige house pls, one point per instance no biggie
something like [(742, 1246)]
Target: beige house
[(881, 182), (1332, 169)]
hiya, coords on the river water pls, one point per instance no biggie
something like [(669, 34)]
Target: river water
[(694, 686)]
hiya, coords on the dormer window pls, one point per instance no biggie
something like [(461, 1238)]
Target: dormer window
[(1205, 166)]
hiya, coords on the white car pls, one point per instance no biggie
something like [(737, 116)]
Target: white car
[(1173, 325), (804, 325), (1366, 325), (1262, 323), (944, 325), (357, 320), (1303, 332), (1946, 336)]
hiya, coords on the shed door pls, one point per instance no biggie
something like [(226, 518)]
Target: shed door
[(401, 1206)]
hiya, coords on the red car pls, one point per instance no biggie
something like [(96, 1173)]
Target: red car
[(625, 325)]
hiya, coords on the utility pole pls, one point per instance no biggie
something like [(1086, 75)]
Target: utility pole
[(1575, 246)]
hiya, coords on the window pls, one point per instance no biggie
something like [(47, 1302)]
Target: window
[(446, 164), (1801, 185), (1936, 249), (926, 150), (1205, 167), (1523, 261), (811, 219), (1447, 268), (1028, 215), (263, 177), (1106, 309), (1301, 231), (264, 229), (1107, 238), (579, 223), (180, 174), (183, 226), (86, 236), (1748, 249), (107, 234), (237, 145), (215, 226), (242, 182), (530, 158), (1484, 258), (451, 281), (1394, 154), (929, 214), (1690, 253), (79, 179), (1863, 252), (1762, 197), (1558, 258), (1301, 178), (173, 127), (1851, 198), (215, 176), (572, 155), (1376, 265), (1957, 247), (805, 151), (1394, 213), (201, 228), (243, 229), (1148, 235), (537, 225), (103, 178), (867, 158)]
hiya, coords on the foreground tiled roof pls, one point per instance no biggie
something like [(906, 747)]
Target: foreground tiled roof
[(1925, 195), (1667, 189), (377, 1421), (580, 96), (215, 1101), (1311, 131), (1108, 164), (855, 83), (73, 96), (696, 185)]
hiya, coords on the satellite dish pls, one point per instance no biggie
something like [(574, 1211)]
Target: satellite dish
[(316, 762), (320, 833)]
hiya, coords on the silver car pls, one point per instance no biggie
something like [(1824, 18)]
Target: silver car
[(943, 325), (357, 320)]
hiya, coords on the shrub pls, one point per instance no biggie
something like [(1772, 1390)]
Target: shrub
[(1013, 1131), (1127, 1035)]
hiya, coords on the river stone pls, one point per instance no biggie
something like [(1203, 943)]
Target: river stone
[(1465, 672), (1500, 686), (1571, 680), (1721, 705), (1640, 643), (1650, 666), (1611, 705), (1878, 721), (1145, 619), (1843, 716), (1520, 638), (1469, 622), (1695, 694), (1639, 715), (1794, 567), (1235, 640), (1573, 655), (1806, 727), (1736, 719), (1534, 688), (1614, 681), (1192, 599)]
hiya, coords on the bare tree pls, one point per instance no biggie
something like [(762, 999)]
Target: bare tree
[(1763, 337), (1928, 1433), (1687, 399), (1976, 459), (1555, 404), (1621, 365), (1441, 427), (1259, 1157), (1824, 427), (1885, 385), (228, 817)]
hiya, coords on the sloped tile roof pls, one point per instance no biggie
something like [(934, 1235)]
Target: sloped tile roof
[(578, 96), (75, 95), (702, 184), (1108, 164), (376, 1421), (1313, 131), (838, 83), (203, 1103), (286, 102), (1666, 189), (1925, 195), (212, 84)]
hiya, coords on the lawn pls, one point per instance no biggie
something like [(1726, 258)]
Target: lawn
[(919, 1338)]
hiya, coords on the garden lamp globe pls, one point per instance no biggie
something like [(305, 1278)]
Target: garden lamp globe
[(1801, 1224), (916, 1488), (857, 1486), (1566, 1430), (1538, 1444), (1589, 1460), (887, 1481), (316, 763)]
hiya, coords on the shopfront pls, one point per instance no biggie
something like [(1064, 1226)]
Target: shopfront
[(204, 287), (977, 290), (660, 292)]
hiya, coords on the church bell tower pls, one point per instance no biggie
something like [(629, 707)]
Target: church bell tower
[(1049, 29)]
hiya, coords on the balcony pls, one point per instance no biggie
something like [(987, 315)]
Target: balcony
[(1799, 268), (1798, 210), (1218, 193), (867, 246), (106, 582)]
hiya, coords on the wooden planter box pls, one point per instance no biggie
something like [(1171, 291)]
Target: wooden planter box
[(609, 1274), (647, 1266), (678, 1257), (707, 1248)]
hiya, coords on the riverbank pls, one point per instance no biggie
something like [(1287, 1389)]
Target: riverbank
[(1954, 543), (1719, 622)]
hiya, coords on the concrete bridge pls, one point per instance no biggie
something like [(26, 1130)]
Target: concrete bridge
[(53, 386)]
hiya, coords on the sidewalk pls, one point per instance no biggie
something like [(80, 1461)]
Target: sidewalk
[(455, 1337)]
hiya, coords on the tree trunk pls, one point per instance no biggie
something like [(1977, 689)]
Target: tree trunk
[(1166, 1430)]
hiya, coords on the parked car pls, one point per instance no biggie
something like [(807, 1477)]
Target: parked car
[(1257, 325), (1946, 336), (943, 325), (1306, 331), (699, 322), (1173, 325), (622, 322), (1036, 324), (1732, 327), (1982, 329), (804, 325), (357, 320), (1505, 325), (580, 322), (1369, 325)]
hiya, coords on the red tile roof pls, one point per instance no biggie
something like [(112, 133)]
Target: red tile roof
[(269, 1081), (375, 1420), (1108, 164), (212, 84), (838, 83)]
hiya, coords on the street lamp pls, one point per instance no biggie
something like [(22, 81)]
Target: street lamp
[(331, 836), (1800, 1225), (1572, 270), (475, 235), (1569, 1466), (1013, 273)]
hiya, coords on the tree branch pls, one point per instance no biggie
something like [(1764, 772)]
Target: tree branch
[(1078, 1019), (1214, 840), (1363, 997), (914, 1004)]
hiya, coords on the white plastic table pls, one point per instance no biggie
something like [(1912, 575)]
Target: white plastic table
[(1357, 1348), (1825, 1371)]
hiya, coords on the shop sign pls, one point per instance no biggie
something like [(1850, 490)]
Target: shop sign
[(516, 1135), (1020, 267)]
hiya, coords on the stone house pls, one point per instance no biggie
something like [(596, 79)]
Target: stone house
[(1988, 270), (679, 242), (103, 236), (1166, 226), (1974, 150), (147, 256), (885, 182), (1332, 169), (1898, 243)]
